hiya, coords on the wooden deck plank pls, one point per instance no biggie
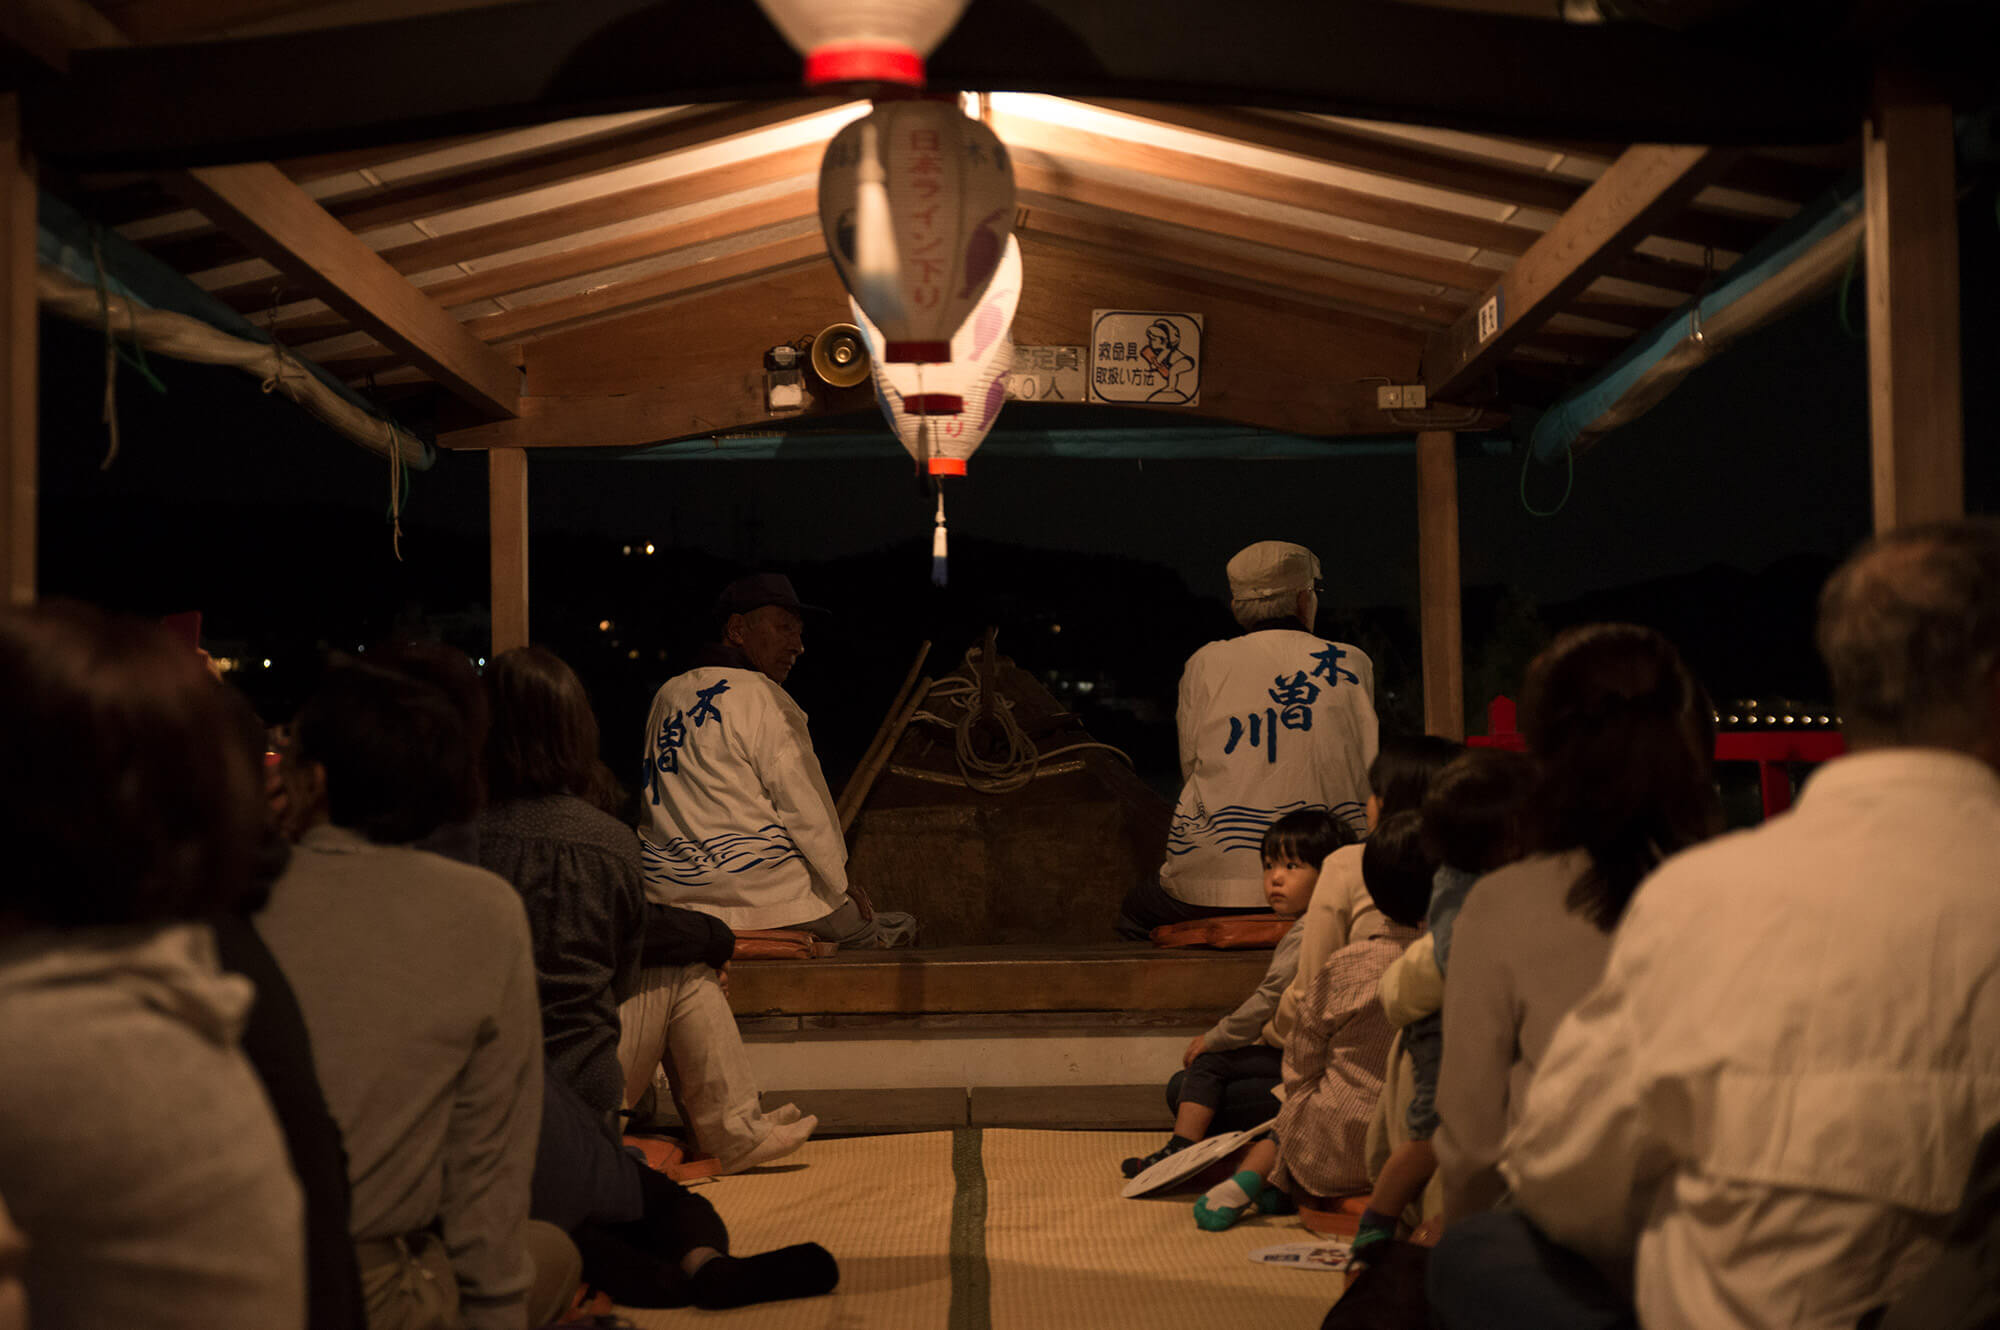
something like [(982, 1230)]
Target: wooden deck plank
[(1132, 977)]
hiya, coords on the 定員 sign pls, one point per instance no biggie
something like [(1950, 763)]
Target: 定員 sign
[(1047, 374)]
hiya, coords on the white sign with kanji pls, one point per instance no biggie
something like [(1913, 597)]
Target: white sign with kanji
[(1047, 374), (1145, 356)]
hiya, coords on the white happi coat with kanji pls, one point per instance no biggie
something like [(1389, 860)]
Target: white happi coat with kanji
[(1270, 722), (738, 820)]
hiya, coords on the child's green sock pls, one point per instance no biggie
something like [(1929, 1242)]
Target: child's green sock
[(1227, 1202)]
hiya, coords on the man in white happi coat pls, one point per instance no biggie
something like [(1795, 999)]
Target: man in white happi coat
[(738, 821), (1271, 722), (1766, 1112)]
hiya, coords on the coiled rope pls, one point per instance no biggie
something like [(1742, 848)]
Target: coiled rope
[(1019, 759)]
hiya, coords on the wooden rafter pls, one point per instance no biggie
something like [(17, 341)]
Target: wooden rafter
[(528, 274), (1614, 213), (1045, 190), (1153, 249), (548, 224), (48, 30), (1192, 260), (571, 311), (1336, 145), (1067, 147), (279, 220), (519, 174)]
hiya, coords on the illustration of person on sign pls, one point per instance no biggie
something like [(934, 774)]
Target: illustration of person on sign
[(1174, 366)]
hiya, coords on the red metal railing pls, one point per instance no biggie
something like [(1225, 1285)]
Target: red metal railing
[(1771, 750)]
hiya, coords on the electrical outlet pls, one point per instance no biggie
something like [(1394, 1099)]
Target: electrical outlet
[(1389, 398)]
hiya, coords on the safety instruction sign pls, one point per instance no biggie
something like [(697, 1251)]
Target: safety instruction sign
[(1145, 356)]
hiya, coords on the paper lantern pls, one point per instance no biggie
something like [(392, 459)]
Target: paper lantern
[(917, 202), (852, 41), (942, 412)]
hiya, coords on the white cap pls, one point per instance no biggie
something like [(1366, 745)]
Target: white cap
[(1271, 568)]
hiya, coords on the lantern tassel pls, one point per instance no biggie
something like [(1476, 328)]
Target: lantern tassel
[(938, 570)]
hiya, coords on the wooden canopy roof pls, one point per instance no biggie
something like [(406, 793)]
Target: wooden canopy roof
[(616, 278)]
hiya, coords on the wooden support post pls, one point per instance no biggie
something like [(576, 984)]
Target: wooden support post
[(507, 514), (1438, 584), (1916, 416), (18, 368)]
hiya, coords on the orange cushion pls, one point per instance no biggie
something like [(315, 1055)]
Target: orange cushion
[(671, 1158), (1340, 1215), (1225, 932), (780, 944)]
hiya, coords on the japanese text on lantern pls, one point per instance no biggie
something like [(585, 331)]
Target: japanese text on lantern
[(925, 261)]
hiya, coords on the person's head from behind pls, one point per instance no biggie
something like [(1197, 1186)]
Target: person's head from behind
[(1274, 580), (389, 751), (761, 616), (1910, 631), (1472, 812), (543, 739), (1397, 867), (1295, 846), (125, 797), (451, 672), (1623, 737), (1402, 771)]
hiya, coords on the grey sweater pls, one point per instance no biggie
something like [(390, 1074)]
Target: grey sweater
[(137, 1152), (418, 986), (1250, 1023)]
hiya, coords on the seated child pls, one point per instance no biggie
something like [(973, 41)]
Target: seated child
[(1241, 1046), (1336, 1055), (1470, 818)]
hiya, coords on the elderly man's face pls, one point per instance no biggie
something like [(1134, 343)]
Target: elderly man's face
[(772, 636)]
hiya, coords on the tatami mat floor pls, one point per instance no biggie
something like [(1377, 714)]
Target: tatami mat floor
[(1059, 1248)]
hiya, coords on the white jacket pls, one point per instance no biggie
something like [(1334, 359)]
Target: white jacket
[(1769, 1105), (1270, 722), (739, 823)]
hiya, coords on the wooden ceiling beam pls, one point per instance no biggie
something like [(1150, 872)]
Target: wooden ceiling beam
[(1052, 187), (1046, 188), (549, 316), (1173, 254), (1617, 210), (1758, 173), (528, 274), (1067, 146), (1336, 145), (1366, 308), (450, 191), (547, 224), (282, 222), (48, 30)]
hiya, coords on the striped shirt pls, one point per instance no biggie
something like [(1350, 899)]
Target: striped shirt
[(1334, 1064)]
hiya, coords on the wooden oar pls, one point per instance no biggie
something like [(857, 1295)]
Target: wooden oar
[(849, 802)]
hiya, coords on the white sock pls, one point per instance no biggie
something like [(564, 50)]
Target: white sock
[(1226, 1195)]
